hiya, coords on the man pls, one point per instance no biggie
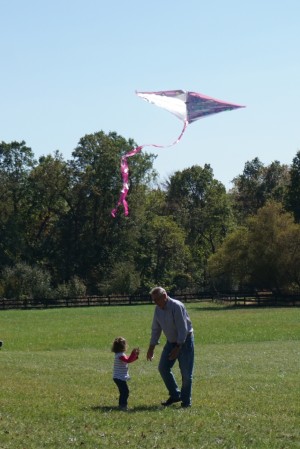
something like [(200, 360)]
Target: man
[(171, 317)]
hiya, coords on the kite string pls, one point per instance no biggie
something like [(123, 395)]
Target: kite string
[(125, 170)]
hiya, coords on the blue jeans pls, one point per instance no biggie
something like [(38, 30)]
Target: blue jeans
[(186, 366), (123, 390)]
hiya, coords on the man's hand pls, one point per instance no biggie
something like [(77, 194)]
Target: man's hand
[(174, 353), (150, 354)]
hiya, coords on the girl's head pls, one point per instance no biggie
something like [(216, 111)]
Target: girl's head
[(119, 345)]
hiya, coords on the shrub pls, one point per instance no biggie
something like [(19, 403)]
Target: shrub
[(74, 288), (23, 281)]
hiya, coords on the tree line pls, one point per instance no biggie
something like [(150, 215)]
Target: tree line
[(58, 238)]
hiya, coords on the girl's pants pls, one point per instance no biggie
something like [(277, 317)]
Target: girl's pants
[(124, 392)]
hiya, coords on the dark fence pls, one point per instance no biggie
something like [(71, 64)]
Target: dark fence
[(230, 298), (87, 301), (258, 298)]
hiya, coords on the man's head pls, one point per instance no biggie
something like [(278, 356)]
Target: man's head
[(159, 296)]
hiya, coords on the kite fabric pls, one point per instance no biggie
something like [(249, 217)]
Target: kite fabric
[(188, 107)]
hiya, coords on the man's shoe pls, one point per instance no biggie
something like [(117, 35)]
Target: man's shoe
[(183, 405), (170, 401)]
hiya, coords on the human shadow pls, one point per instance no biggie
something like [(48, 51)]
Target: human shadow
[(134, 409), (146, 408)]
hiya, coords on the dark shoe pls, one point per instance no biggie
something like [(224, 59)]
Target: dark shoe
[(123, 408), (170, 401), (185, 405)]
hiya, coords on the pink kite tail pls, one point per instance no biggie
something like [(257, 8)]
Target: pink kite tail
[(125, 171), (125, 178)]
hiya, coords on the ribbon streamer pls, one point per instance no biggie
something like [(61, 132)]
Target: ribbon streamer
[(125, 171)]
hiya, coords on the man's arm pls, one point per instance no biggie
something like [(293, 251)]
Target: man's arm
[(181, 324), (155, 334), (155, 331), (150, 353)]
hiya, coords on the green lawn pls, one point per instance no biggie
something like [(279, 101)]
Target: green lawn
[(57, 390)]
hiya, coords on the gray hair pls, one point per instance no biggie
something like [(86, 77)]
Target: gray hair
[(158, 291)]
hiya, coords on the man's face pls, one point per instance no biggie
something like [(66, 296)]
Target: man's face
[(160, 300)]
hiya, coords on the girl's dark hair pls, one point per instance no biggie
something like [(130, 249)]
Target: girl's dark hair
[(119, 345)]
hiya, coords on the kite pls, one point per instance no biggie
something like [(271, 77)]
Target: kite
[(188, 107)]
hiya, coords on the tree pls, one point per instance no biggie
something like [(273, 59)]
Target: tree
[(276, 181), (16, 161), (200, 205), (263, 254), (228, 267), (293, 193), (73, 288), (163, 252), (257, 185), (48, 186), (94, 239), (23, 281), (123, 279)]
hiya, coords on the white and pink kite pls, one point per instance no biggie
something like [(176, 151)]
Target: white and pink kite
[(188, 107)]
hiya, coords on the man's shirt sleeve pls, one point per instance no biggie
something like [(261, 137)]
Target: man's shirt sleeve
[(155, 331)]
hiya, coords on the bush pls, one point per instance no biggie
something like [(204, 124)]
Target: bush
[(26, 282), (124, 280), (74, 288)]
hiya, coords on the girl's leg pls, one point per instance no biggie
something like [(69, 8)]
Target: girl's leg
[(124, 392)]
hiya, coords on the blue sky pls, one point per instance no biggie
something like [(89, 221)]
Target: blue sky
[(71, 67)]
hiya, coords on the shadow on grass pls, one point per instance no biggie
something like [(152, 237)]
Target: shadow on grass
[(224, 307), (215, 308), (138, 408), (230, 307)]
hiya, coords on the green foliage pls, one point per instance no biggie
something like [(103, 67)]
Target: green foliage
[(57, 389), (57, 214), (228, 267), (165, 252), (200, 205), (124, 279), (263, 254), (95, 239), (16, 161), (74, 288), (259, 184), (25, 282), (293, 193)]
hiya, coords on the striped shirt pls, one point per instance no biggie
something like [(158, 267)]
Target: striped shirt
[(121, 365)]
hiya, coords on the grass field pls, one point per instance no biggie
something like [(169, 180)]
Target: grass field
[(57, 392)]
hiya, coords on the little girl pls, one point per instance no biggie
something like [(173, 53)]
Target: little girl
[(120, 374)]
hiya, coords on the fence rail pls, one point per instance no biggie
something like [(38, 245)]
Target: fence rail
[(84, 301), (232, 298), (258, 298)]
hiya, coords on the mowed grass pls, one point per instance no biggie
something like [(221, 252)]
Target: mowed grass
[(57, 390)]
